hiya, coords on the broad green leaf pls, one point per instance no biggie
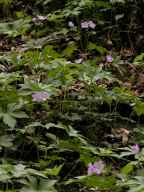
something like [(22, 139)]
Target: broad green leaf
[(100, 182), (100, 49), (19, 114), (127, 169), (9, 120), (139, 108), (6, 141), (41, 185)]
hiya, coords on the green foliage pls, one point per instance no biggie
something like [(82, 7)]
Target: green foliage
[(93, 106), (139, 60), (15, 28)]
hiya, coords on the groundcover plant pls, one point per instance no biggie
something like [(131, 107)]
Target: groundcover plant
[(71, 96)]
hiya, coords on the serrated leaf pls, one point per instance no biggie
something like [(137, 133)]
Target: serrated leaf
[(6, 141), (9, 120)]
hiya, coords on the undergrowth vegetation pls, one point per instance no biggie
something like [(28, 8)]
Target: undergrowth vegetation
[(71, 97)]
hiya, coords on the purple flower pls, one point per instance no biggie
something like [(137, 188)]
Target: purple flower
[(99, 166), (88, 24), (96, 168), (91, 24), (40, 96), (91, 169), (84, 25), (109, 59), (135, 148)]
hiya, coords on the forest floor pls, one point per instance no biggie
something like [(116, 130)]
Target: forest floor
[(71, 108)]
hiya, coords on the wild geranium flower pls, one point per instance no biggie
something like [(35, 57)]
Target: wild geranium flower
[(91, 169), (96, 168), (88, 24), (39, 18), (135, 148), (91, 24), (109, 59), (71, 24), (84, 25), (40, 96), (99, 165)]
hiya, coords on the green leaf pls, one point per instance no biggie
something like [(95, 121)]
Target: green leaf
[(53, 125), (41, 185), (127, 169), (19, 114), (100, 49), (54, 171), (100, 182), (6, 141), (35, 172), (15, 28), (94, 181), (139, 59), (139, 108), (9, 120), (70, 49)]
